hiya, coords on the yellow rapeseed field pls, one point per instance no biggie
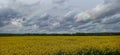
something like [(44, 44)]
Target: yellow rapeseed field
[(60, 45)]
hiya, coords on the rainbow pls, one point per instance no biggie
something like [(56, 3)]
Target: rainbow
[(86, 14), (90, 16), (27, 18), (34, 13)]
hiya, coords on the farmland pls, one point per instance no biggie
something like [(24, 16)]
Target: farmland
[(60, 45)]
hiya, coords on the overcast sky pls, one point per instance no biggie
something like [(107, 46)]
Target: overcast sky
[(59, 16), (82, 4)]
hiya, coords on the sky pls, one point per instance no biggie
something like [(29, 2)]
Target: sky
[(59, 16)]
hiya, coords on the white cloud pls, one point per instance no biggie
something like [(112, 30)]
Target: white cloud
[(17, 22)]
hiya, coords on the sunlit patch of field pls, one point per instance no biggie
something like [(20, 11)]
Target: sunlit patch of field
[(60, 45)]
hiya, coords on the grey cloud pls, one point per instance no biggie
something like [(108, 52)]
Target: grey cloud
[(61, 19), (106, 16), (6, 14), (112, 19), (106, 9), (59, 1)]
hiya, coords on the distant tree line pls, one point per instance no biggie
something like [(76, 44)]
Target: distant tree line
[(64, 34)]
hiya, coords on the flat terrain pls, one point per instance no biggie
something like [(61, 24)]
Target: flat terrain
[(60, 45)]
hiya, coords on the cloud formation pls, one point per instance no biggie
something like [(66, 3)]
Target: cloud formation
[(106, 9), (54, 18)]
